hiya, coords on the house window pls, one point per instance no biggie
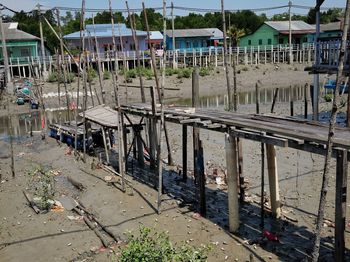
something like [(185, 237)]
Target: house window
[(260, 41), (204, 43), (25, 52), (280, 41), (132, 47), (177, 44), (269, 41), (249, 42), (195, 44), (188, 44), (119, 47)]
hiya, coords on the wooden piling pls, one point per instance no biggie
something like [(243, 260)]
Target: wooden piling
[(291, 97), (201, 182), (105, 144), (273, 180), (274, 100), (232, 178), (257, 98), (340, 203), (184, 153), (195, 103), (306, 94)]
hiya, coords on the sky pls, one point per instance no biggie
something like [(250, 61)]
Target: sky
[(215, 4)]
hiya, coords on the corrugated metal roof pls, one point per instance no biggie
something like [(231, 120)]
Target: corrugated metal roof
[(335, 26), (105, 30), (156, 35), (12, 33), (295, 25), (189, 33)]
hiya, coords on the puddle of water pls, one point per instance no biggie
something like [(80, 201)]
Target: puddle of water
[(22, 123), (246, 98)]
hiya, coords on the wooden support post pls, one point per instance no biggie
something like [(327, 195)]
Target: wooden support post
[(195, 103), (140, 156), (273, 180), (291, 97), (201, 182), (184, 153), (306, 94), (232, 178), (274, 100), (257, 98), (240, 170), (340, 203), (105, 144)]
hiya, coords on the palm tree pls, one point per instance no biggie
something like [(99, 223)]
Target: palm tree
[(235, 34)]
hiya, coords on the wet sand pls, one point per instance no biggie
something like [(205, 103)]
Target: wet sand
[(53, 237)]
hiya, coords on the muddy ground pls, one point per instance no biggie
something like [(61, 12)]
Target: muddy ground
[(54, 237)]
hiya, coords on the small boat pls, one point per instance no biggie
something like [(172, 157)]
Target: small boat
[(331, 83)]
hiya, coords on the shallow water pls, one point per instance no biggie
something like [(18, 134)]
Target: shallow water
[(23, 123), (249, 97)]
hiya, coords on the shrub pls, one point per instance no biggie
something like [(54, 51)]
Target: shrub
[(187, 72), (155, 246), (204, 71), (52, 77), (148, 73), (91, 74), (131, 74), (69, 78), (328, 97), (106, 75)]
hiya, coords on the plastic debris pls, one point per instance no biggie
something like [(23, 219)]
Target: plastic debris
[(270, 236)]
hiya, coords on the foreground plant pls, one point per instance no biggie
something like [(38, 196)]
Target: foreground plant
[(154, 246)]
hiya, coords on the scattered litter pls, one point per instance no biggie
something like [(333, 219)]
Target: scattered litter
[(270, 236), (21, 154), (69, 244), (75, 218), (68, 151), (55, 172), (57, 207), (196, 216)]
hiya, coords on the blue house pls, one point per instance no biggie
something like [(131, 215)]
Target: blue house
[(332, 31), (104, 35), (189, 39)]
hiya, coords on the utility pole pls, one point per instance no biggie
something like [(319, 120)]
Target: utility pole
[(4, 50), (42, 42), (290, 33)]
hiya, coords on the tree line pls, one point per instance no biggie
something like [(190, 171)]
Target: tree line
[(238, 23)]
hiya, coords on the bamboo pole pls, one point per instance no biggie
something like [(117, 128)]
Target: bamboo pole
[(4, 50), (326, 173), (134, 36), (115, 79), (42, 41), (82, 36), (63, 61), (100, 77), (225, 58), (173, 36), (10, 131)]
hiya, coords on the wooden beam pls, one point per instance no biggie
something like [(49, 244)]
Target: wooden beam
[(201, 178), (232, 179), (340, 204)]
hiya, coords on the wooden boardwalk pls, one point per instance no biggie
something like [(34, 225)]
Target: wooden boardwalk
[(297, 133)]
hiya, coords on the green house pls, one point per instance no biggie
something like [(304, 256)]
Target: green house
[(20, 45), (277, 33)]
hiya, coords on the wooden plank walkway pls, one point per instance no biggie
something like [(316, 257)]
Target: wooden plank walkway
[(298, 133)]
